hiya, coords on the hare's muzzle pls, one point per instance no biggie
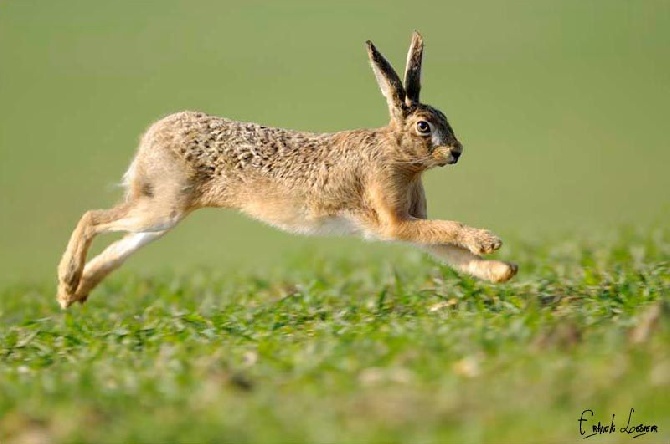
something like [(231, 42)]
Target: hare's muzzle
[(453, 157), (449, 155)]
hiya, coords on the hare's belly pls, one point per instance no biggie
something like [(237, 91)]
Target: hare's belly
[(322, 226), (299, 220), (333, 225)]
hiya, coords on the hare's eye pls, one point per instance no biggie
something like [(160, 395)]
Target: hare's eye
[(423, 127)]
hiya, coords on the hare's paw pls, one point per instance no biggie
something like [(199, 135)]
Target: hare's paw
[(500, 271), (66, 296), (68, 281), (482, 242), (69, 276)]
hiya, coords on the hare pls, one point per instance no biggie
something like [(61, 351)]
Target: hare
[(365, 182)]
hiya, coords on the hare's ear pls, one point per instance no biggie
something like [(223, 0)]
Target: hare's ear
[(388, 81), (413, 69)]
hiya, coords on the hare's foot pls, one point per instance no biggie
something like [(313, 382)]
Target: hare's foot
[(465, 262), (66, 297), (69, 276), (481, 241), (500, 271)]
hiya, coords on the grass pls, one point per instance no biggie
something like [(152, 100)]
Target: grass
[(355, 350)]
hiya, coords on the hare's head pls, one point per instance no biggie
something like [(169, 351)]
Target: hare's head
[(424, 135)]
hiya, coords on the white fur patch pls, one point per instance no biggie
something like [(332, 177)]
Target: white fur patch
[(326, 226), (128, 176), (117, 252), (131, 243), (437, 138)]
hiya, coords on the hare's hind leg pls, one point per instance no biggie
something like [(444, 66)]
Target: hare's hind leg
[(109, 260), (72, 262), (159, 195), (145, 219)]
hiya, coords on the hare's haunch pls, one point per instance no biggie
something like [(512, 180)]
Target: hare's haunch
[(365, 182)]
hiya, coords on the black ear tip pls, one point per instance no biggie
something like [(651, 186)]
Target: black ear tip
[(372, 49)]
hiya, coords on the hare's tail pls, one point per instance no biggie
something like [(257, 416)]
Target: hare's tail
[(128, 178)]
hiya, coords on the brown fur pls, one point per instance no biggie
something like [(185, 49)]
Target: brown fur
[(365, 182)]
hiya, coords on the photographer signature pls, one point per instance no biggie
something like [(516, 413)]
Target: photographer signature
[(600, 428)]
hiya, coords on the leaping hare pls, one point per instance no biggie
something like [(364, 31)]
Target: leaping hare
[(365, 182)]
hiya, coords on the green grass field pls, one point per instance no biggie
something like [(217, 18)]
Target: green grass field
[(355, 350), (229, 331)]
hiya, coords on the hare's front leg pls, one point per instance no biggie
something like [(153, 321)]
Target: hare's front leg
[(399, 216), (437, 232), (457, 257), (456, 244), (465, 262), (399, 213)]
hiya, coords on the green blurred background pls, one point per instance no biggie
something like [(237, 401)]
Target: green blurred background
[(561, 106)]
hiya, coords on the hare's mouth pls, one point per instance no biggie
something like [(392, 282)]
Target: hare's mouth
[(451, 160)]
